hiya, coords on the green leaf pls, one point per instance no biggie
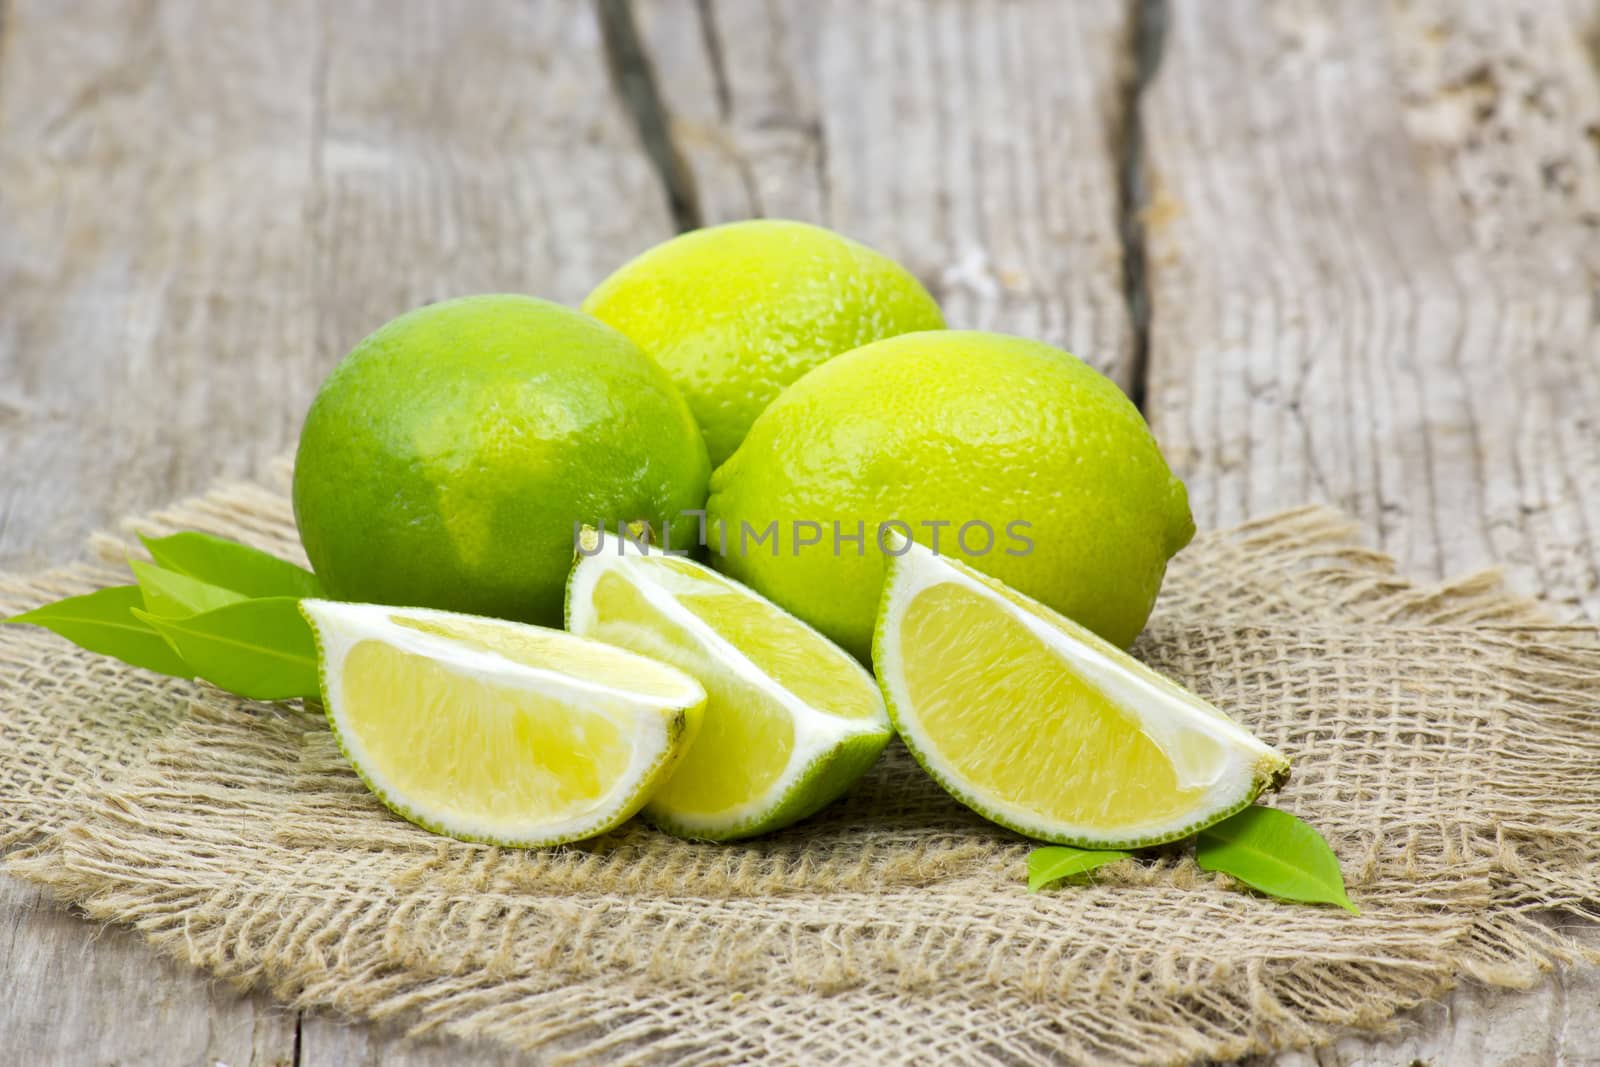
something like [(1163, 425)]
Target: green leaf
[(103, 622), (261, 649), (173, 596), (231, 565), (1055, 862), (1274, 852)]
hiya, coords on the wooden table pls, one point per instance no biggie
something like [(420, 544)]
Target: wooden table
[(1344, 252)]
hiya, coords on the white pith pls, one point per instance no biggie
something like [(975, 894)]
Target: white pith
[(817, 733), (1164, 710), (647, 720)]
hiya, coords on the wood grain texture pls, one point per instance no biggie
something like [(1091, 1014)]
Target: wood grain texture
[(470, 151), (977, 143), (154, 272), (204, 206), (1373, 264), (196, 234), (79, 994), (1372, 261)]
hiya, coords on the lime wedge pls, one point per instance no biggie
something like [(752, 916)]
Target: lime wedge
[(791, 719), (1037, 724), (496, 731)]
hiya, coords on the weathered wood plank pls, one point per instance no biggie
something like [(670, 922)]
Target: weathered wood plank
[(978, 143), (75, 993), (154, 273), (1372, 267), (204, 206), (470, 151)]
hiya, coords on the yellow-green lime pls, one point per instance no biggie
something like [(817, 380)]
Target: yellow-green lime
[(448, 458), (792, 721), (1037, 724), (1008, 453), (495, 731), (736, 312)]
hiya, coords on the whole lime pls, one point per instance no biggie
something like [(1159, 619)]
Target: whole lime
[(447, 458), (737, 312), (1009, 454)]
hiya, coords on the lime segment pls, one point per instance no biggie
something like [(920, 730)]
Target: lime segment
[(496, 731), (1039, 725), (791, 719)]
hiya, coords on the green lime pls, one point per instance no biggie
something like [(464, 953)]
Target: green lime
[(737, 312), (1011, 455), (448, 457)]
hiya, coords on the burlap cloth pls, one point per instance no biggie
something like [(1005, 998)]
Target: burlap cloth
[(1444, 741)]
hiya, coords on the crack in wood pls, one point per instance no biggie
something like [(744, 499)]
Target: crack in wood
[(711, 37), (634, 79), (722, 90), (1149, 26)]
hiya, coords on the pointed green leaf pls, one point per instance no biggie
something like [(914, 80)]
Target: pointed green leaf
[(231, 565), (1055, 862), (173, 596), (103, 622), (1274, 852), (260, 649)]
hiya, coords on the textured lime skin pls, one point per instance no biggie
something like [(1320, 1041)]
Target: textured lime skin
[(446, 459), (737, 312), (956, 427)]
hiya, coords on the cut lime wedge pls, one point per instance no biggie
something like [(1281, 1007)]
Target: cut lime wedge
[(1037, 724), (496, 731), (792, 720)]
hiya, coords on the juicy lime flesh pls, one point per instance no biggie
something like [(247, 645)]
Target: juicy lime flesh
[(450, 744), (783, 648), (1014, 720), (745, 739), (580, 659)]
